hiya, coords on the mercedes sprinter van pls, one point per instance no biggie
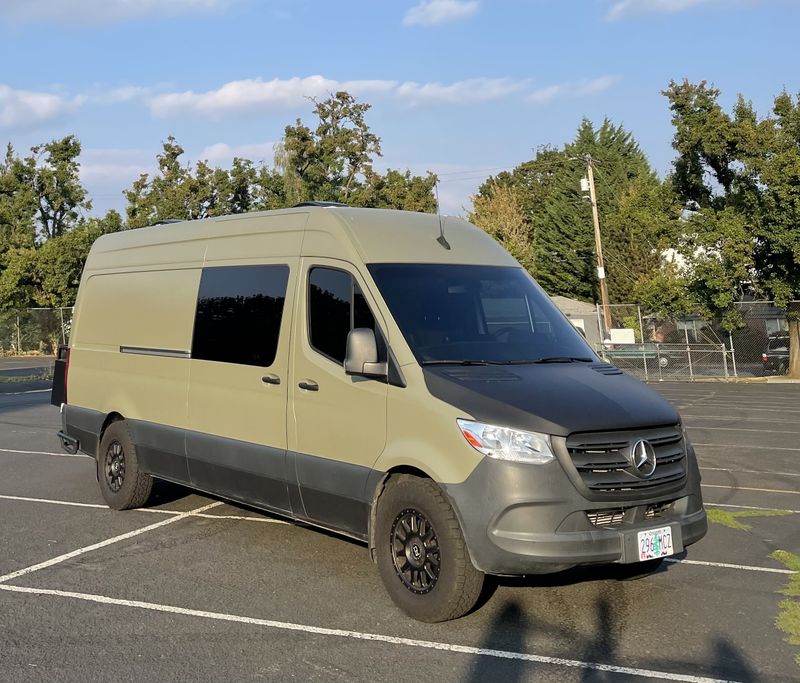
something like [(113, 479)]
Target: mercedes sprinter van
[(376, 373)]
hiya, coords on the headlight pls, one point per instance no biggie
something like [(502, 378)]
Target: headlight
[(507, 444)]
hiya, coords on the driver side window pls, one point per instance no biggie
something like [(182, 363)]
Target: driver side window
[(336, 305)]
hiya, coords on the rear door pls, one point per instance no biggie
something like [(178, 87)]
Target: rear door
[(337, 423), (236, 443)]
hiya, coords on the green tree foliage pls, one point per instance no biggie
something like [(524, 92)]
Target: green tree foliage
[(17, 205), (332, 162), (739, 174), (498, 211), (52, 171), (49, 275), (636, 212), (330, 159)]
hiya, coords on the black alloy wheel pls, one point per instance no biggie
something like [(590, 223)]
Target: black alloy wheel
[(115, 466), (417, 556)]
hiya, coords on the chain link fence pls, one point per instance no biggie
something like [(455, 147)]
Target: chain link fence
[(688, 347), (34, 331)]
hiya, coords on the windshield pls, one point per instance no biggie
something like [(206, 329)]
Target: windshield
[(482, 314)]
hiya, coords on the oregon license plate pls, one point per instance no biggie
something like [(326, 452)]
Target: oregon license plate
[(655, 543)]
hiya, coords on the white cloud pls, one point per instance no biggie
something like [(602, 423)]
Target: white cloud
[(102, 11), (223, 154), (432, 12), (471, 91), (624, 8), (572, 89), (257, 95), (253, 95), (25, 108)]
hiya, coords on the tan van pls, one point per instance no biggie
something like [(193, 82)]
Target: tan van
[(375, 373)]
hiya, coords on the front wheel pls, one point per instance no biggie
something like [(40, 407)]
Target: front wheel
[(422, 557)]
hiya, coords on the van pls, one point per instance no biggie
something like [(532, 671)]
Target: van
[(391, 376)]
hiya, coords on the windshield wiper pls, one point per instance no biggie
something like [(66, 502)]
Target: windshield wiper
[(458, 362), (562, 359)]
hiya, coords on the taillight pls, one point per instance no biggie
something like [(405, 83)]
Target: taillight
[(764, 357), (66, 374)]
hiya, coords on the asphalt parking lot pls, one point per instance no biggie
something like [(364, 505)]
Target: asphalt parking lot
[(194, 588)]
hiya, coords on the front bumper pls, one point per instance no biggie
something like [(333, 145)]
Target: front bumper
[(526, 519)]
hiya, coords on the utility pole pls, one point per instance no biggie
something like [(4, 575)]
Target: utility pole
[(601, 270)]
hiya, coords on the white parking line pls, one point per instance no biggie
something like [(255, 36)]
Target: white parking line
[(735, 419), (739, 429), (741, 445), (60, 455), (374, 637), (102, 544), (727, 469), (53, 502), (748, 488), (19, 393), (69, 503), (749, 507), (725, 565)]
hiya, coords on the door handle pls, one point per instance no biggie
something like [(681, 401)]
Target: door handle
[(309, 385), (271, 379)]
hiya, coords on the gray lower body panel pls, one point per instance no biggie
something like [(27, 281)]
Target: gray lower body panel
[(529, 519), (304, 487)]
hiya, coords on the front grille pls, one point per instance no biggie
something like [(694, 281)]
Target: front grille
[(657, 510), (606, 517), (616, 516), (602, 463)]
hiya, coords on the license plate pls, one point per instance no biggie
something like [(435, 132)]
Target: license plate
[(655, 543)]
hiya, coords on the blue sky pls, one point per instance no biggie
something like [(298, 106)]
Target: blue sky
[(459, 87)]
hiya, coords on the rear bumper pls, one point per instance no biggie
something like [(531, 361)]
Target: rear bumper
[(523, 519)]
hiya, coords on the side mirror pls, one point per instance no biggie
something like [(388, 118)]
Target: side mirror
[(361, 357)]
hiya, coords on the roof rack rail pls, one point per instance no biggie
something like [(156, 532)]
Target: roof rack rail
[(169, 221), (297, 206)]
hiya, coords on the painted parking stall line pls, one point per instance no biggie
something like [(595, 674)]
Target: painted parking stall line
[(726, 565), (56, 455), (103, 544), (374, 637), (764, 472), (748, 488)]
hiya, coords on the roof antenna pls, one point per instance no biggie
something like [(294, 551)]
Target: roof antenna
[(441, 239)]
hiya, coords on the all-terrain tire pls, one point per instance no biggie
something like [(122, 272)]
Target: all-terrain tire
[(122, 482), (440, 582)]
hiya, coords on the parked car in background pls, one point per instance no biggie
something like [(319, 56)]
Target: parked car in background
[(776, 356)]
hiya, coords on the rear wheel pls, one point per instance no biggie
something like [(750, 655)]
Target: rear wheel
[(122, 483), (421, 553)]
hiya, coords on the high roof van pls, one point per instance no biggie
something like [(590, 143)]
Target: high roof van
[(380, 374)]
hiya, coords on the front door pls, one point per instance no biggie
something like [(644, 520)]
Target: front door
[(337, 423), (236, 443)]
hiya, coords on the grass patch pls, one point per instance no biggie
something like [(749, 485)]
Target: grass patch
[(731, 519), (788, 619)]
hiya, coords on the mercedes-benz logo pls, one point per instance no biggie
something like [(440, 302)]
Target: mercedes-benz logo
[(642, 457)]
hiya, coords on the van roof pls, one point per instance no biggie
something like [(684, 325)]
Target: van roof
[(375, 235)]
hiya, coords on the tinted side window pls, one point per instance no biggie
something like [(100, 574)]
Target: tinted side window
[(239, 311), (335, 306)]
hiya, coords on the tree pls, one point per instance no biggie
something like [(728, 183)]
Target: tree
[(739, 176), (396, 190), (635, 209), (498, 211), (53, 173), (17, 205), (330, 159)]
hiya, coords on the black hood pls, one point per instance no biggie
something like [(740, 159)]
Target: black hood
[(557, 398)]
